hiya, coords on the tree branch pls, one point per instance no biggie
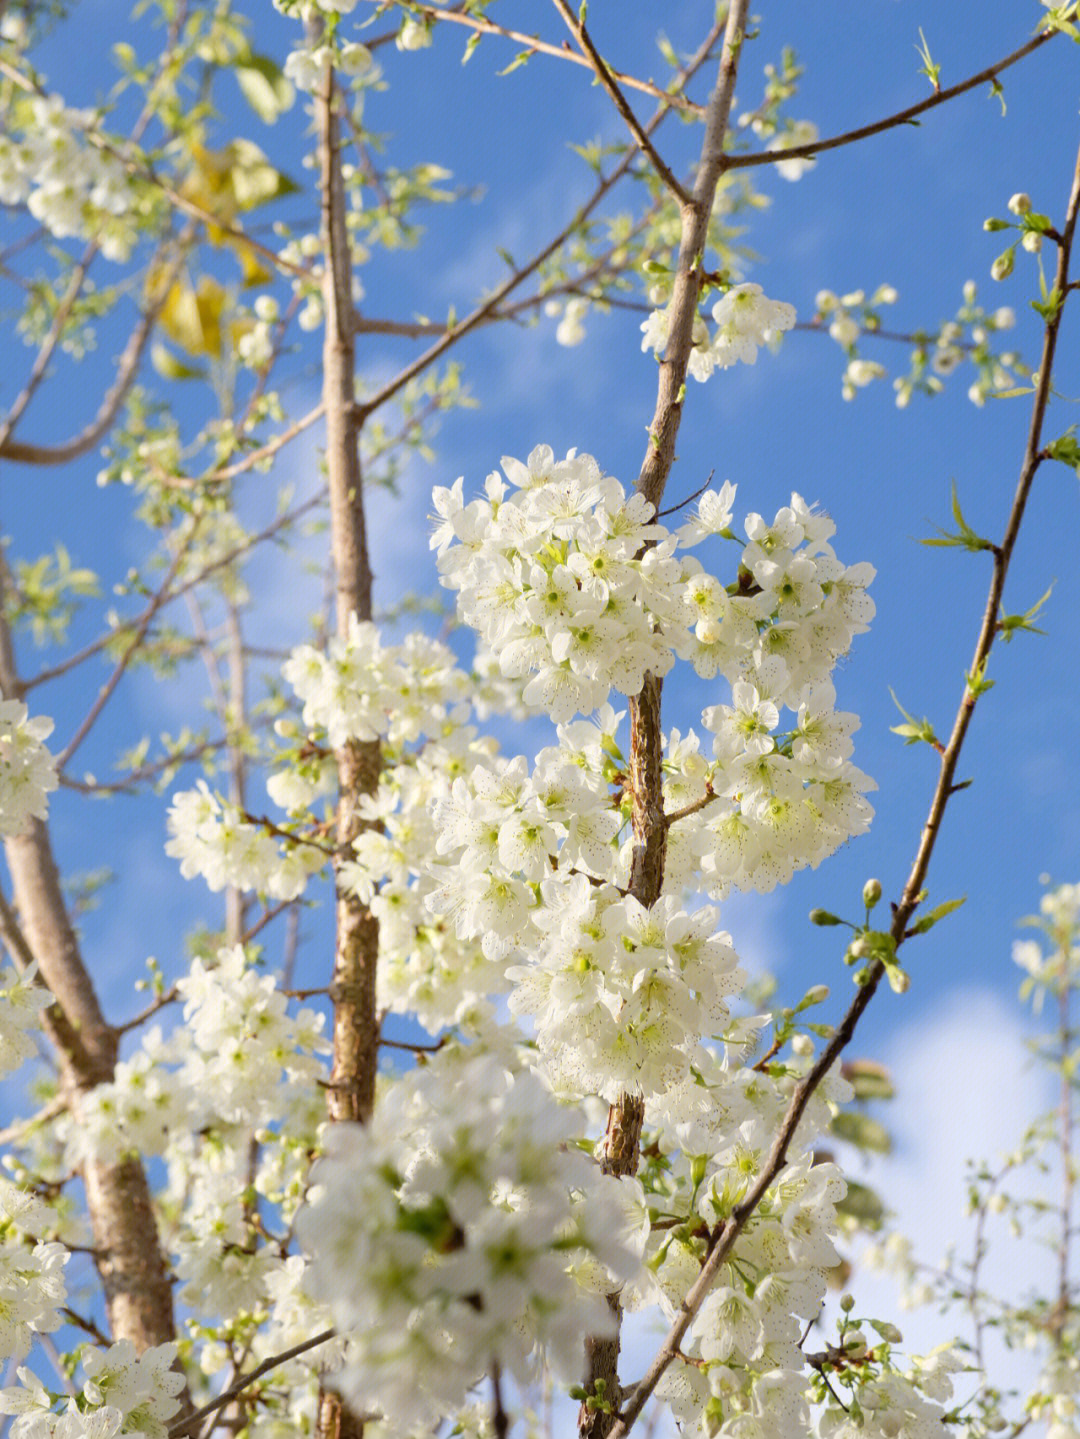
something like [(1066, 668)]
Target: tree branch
[(902, 117), (127, 368), (626, 1115), (618, 99), (184, 1425), (532, 43), (489, 306), (726, 1235)]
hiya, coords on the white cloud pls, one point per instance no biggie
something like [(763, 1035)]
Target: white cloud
[(966, 1090)]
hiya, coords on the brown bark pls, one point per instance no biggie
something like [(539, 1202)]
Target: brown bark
[(138, 1296), (622, 1144), (351, 1094), (128, 1255)]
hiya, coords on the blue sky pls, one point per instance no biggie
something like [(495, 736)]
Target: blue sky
[(907, 208)]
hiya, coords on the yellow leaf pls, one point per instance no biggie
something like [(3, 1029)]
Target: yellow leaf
[(191, 317)]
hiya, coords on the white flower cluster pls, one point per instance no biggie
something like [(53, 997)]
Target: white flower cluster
[(747, 1373), (70, 185), (238, 1047), (359, 690), (473, 1203), (308, 68), (486, 872), (569, 581), (32, 1291), (887, 1402), (620, 994), (27, 769), (745, 320), (211, 839), (362, 690), (426, 970), (123, 1393), (231, 1102), (21, 1005)]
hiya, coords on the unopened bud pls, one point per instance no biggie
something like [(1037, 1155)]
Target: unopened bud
[(847, 1303), (823, 917), (871, 892), (1020, 203), (899, 979), (1002, 267), (1032, 242)]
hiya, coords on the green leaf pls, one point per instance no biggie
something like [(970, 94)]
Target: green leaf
[(965, 536), (521, 58), (254, 180), (470, 46), (1065, 448), (1049, 307), (928, 67), (1009, 625), (938, 912), (976, 681), (264, 86), (915, 731), (862, 1131)]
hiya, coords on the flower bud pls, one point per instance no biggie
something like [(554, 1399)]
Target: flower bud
[(871, 892), (1002, 267), (847, 1303), (802, 1045), (1020, 203), (1032, 242), (899, 979), (823, 917), (970, 291)]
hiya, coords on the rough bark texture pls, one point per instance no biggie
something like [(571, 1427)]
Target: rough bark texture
[(356, 1022), (622, 1144), (138, 1295), (351, 1095)]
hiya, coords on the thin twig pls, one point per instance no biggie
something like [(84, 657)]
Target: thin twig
[(618, 99), (170, 996), (182, 1426), (164, 596), (692, 808), (478, 316), (14, 1132), (902, 117), (108, 688), (534, 45), (726, 1234)]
